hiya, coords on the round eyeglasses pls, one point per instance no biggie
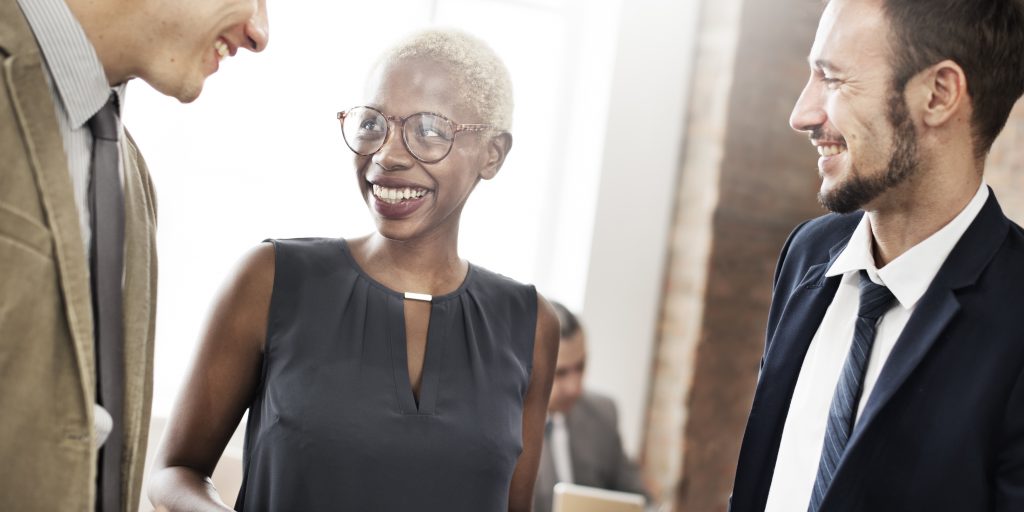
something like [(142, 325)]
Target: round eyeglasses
[(428, 137)]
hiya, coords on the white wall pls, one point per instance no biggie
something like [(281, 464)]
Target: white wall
[(640, 161)]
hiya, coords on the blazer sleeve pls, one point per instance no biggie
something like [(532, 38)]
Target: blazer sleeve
[(147, 179)]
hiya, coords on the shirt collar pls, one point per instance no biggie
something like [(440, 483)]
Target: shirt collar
[(75, 69), (909, 275)]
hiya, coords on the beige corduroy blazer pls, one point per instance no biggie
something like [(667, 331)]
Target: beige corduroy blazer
[(47, 371)]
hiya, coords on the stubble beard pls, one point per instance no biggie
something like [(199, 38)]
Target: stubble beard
[(860, 188)]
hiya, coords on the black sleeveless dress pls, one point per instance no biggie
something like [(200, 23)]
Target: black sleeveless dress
[(335, 425)]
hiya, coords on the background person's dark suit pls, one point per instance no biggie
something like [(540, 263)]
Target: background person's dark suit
[(944, 427), (595, 450)]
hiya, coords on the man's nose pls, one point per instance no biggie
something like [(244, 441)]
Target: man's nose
[(808, 112), (575, 386), (257, 29)]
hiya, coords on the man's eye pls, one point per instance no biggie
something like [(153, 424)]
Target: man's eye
[(831, 83)]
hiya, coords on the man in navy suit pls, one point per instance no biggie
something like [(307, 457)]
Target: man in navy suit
[(893, 371)]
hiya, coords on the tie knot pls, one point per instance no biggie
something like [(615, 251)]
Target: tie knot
[(875, 299), (103, 124)]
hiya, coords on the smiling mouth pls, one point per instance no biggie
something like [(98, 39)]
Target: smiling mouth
[(393, 195), (222, 49), (828, 150)]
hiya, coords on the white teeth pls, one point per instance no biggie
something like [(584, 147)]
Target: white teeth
[(396, 195), (831, 149), (222, 48)]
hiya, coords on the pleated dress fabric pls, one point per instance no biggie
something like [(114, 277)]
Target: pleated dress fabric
[(335, 424)]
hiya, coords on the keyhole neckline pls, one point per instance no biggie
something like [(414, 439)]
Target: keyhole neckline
[(470, 273)]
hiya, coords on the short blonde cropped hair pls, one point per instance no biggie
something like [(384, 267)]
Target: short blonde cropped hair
[(479, 71)]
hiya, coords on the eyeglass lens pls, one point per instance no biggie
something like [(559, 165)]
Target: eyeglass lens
[(428, 137)]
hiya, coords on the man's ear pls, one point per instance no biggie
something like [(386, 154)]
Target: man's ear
[(497, 149), (944, 88)]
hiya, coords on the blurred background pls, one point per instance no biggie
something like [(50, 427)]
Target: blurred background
[(652, 182)]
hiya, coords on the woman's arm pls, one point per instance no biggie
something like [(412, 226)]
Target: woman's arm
[(220, 386), (535, 408)]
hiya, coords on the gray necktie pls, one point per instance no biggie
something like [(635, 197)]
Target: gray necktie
[(106, 207), (875, 300)]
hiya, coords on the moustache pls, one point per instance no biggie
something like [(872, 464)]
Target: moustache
[(820, 134)]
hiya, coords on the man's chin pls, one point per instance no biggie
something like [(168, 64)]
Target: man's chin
[(851, 195), (189, 92), (837, 202), (185, 91)]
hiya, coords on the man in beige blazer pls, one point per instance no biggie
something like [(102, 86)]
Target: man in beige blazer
[(48, 398)]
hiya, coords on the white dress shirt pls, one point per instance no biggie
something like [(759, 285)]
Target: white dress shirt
[(79, 87), (560, 448), (908, 277)]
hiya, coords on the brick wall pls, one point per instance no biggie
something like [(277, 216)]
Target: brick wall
[(746, 179), (691, 239)]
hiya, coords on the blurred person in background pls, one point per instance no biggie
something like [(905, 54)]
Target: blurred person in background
[(385, 372), (581, 442), (893, 372), (77, 234)]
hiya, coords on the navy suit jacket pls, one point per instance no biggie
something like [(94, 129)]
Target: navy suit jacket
[(943, 429)]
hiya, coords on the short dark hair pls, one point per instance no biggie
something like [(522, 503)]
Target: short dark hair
[(568, 324), (984, 37)]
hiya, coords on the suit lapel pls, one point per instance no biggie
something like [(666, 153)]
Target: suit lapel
[(799, 322), (937, 309), (15, 36), (583, 450), (576, 445), (33, 105), (933, 313)]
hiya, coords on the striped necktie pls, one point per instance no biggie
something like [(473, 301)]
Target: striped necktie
[(875, 300), (106, 205)]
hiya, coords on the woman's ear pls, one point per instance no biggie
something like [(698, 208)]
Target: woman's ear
[(497, 149)]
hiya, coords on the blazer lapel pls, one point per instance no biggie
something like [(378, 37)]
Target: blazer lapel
[(937, 308), (797, 325), (586, 452), (34, 107), (933, 313), (15, 36)]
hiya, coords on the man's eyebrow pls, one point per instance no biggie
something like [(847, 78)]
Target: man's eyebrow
[(825, 65)]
